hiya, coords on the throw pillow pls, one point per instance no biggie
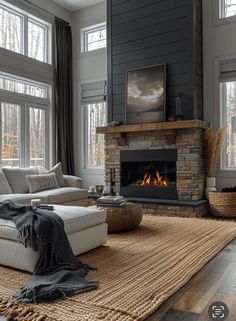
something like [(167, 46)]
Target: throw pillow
[(17, 180), (57, 169), (4, 186), (42, 182)]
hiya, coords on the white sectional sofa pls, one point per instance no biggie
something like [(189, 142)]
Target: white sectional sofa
[(14, 186), (85, 227)]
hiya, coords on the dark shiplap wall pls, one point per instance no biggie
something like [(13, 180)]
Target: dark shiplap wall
[(150, 32)]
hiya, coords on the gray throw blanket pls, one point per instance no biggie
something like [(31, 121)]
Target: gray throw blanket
[(58, 273)]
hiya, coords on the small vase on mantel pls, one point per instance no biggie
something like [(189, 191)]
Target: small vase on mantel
[(210, 186)]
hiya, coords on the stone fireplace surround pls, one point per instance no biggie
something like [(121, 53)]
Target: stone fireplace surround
[(184, 136)]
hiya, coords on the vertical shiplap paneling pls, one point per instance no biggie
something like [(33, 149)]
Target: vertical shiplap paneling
[(151, 32)]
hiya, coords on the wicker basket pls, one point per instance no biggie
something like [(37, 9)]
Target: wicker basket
[(223, 204)]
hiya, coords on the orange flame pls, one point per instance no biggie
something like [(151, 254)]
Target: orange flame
[(149, 180)]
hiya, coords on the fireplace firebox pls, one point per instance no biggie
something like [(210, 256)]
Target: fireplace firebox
[(149, 173)]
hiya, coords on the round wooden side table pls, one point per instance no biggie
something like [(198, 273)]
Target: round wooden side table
[(123, 218)]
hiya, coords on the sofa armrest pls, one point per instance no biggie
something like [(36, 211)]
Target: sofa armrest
[(73, 181)]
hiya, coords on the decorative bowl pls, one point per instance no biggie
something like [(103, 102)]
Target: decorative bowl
[(99, 188)]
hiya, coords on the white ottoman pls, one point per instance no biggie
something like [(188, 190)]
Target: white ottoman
[(85, 227)]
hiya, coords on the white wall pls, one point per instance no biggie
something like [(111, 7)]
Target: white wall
[(219, 41), (88, 67), (53, 8)]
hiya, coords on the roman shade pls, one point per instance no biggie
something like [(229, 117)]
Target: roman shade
[(228, 70), (93, 92)]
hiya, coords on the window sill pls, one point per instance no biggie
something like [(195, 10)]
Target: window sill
[(223, 21), (93, 52), (94, 171), (231, 173)]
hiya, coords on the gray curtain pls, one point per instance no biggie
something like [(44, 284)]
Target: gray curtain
[(63, 96)]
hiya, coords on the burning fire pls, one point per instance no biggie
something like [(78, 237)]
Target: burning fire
[(149, 180)]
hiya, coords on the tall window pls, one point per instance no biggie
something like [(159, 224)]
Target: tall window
[(94, 37), (228, 111), (24, 33), (24, 125), (227, 8), (96, 117), (93, 96)]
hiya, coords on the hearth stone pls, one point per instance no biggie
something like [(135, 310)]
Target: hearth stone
[(172, 207), (169, 210)]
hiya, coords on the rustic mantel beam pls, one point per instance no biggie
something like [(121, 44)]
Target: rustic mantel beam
[(181, 124)]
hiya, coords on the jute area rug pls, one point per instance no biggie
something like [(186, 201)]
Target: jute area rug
[(138, 271)]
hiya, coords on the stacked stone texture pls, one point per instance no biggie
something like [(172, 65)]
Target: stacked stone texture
[(190, 165)]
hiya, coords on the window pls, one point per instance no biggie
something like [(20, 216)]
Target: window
[(228, 111), (96, 117), (11, 30), (227, 8), (24, 125), (22, 86), (228, 94), (93, 97), (37, 40), (23, 33), (94, 37)]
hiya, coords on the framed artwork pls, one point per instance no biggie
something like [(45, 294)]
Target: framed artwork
[(146, 95)]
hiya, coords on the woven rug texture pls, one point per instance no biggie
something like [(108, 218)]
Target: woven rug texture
[(138, 271)]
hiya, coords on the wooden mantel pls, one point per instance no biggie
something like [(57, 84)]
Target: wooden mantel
[(181, 124)]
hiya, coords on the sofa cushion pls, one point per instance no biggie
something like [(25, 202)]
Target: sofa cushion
[(78, 218), (64, 194), (4, 186), (23, 198), (75, 218), (17, 178), (57, 169), (42, 182)]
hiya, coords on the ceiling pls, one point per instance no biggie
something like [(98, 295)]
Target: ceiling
[(73, 5)]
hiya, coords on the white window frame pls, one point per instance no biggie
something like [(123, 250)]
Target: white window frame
[(218, 9), (84, 36), (26, 102), (30, 17), (223, 157), (86, 167)]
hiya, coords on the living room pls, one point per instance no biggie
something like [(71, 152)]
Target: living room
[(117, 147)]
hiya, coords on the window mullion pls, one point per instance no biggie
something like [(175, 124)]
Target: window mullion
[(222, 8)]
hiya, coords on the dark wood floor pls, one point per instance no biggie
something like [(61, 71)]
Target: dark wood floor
[(215, 282)]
